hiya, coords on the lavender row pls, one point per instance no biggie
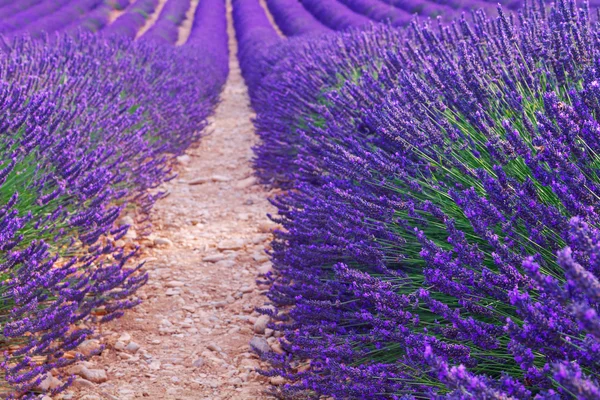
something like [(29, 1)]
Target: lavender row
[(68, 15), (97, 19), (255, 36), (335, 15), (293, 19), (441, 229), (442, 8), (129, 24), (93, 125), (208, 39), (377, 11), (13, 8), (21, 20), (166, 28)]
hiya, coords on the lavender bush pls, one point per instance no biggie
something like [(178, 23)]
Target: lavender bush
[(334, 14), (377, 11), (128, 24), (293, 19), (441, 229), (166, 29), (68, 15), (91, 126), (255, 36)]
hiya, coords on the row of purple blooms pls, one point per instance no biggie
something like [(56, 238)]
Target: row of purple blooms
[(441, 214), (91, 126)]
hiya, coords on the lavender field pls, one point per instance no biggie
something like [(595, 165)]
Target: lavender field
[(433, 180)]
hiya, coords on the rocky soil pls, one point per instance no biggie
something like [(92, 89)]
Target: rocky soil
[(190, 337)]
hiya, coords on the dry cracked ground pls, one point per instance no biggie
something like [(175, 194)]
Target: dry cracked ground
[(190, 337)]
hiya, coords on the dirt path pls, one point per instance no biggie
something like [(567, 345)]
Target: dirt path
[(189, 339)]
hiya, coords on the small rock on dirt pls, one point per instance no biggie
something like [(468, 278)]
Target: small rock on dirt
[(199, 181), (83, 384), (265, 268), (49, 383), (213, 347), (231, 244), (259, 344), (246, 183), (92, 375), (277, 380), (220, 178), (162, 242), (184, 159), (261, 323), (90, 397), (88, 347), (125, 337), (132, 347), (198, 362), (213, 258)]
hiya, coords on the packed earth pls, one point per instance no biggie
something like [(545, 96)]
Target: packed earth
[(300, 199)]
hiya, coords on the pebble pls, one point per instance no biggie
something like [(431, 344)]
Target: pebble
[(225, 264), (261, 324), (92, 375), (246, 289), (260, 257), (154, 365), (83, 383), (231, 244), (276, 347), (119, 345), (277, 380), (172, 292), (265, 268), (88, 347), (132, 347), (267, 227), (174, 284), (213, 347), (49, 383), (125, 337), (235, 382), (220, 178), (213, 258), (184, 159), (90, 397), (199, 181), (259, 344), (198, 362), (162, 242), (246, 183)]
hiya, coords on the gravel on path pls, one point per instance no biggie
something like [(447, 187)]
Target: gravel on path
[(190, 337)]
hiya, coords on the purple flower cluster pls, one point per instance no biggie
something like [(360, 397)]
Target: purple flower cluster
[(166, 29), (91, 125), (441, 224)]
